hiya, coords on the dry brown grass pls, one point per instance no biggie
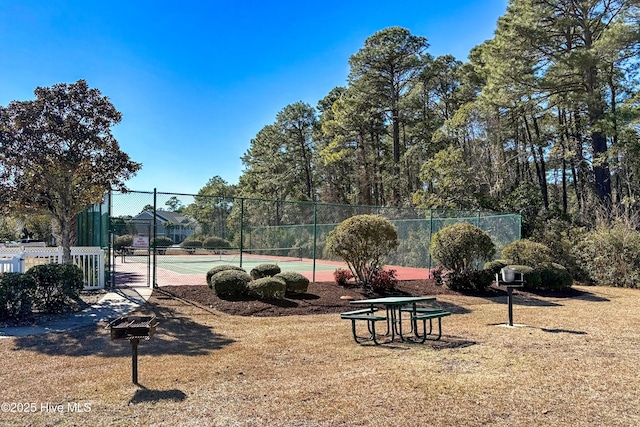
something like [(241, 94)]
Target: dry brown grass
[(574, 363)]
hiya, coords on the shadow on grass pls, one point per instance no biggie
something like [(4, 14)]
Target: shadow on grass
[(524, 299), (451, 308), (570, 293), (145, 395), (175, 335), (446, 342), (563, 331)]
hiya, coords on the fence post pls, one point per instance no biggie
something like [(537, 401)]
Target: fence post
[(315, 238), (241, 227), (155, 241)]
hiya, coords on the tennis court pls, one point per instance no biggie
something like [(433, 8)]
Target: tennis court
[(186, 269)]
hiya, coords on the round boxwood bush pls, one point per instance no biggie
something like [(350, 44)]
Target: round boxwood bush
[(230, 283), (526, 252), (495, 266), (215, 243), (296, 282), (265, 270), (268, 288), (191, 245), (465, 280), (57, 286), (220, 268), (362, 241), (16, 293), (554, 277), (122, 242), (161, 243), (459, 245)]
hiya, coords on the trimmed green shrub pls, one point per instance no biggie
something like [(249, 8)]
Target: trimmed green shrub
[(296, 282), (16, 293), (220, 268), (530, 275), (362, 241), (553, 277), (465, 280), (268, 288), (215, 243), (495, 266), (265, 270), (191, 245), (161, 244), (122, 242), (526, 252), (230, 283), (57, 286), (459, 245)]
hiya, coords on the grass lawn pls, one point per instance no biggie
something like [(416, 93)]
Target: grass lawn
[(572, 362)]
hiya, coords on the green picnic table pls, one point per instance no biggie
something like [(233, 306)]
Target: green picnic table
[(394, 307)]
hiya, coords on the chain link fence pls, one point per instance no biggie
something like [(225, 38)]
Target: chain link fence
[(171, 222)]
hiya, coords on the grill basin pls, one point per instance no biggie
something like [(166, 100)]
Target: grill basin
[(133, 328)]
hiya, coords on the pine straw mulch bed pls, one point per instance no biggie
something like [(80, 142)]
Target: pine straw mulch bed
[(572, 360), (321, 298)]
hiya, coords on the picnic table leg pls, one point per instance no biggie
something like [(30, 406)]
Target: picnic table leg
[(371, 326), (424, 329)]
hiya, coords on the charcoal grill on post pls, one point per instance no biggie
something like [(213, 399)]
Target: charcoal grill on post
[(133, 329)]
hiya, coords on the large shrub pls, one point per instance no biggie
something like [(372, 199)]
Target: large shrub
[(215, 243), (16, 293), (362, 241), (220, 268), (161, 243), (553, 277), (122, 242), (57, 286), (611, 255), (230, 284), (190, 245), (526, 252), (458, 246), (463, 280)]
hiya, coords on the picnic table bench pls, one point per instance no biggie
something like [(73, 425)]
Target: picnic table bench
[(395, 306), (368, 315)]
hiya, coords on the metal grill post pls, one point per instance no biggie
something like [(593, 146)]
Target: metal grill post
[(134, 360)]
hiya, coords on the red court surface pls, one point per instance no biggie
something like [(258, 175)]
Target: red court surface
[(130, 273)]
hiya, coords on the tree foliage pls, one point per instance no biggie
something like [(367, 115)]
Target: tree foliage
[(57, 154)]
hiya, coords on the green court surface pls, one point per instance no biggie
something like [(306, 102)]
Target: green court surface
[(200, 264)]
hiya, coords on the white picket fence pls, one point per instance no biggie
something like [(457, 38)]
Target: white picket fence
[(89, 259)]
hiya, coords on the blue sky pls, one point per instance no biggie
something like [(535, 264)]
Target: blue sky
[(196, 80)]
